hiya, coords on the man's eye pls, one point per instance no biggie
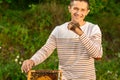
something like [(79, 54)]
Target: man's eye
[(76, 9), (82, 9)]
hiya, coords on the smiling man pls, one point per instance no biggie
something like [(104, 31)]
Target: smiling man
[(78, 44)]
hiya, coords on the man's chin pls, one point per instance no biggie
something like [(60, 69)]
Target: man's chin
[(77, 20)]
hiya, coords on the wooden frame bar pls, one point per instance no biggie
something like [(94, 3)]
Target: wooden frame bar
[(44, 75)]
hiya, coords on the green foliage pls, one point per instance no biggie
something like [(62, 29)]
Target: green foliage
[(8, 1), (23, 32), (11, 71), (96, 5), (108, 69)]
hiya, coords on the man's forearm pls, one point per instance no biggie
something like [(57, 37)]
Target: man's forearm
[(94, 48)]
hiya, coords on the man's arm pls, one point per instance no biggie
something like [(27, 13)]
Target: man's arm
[(45, 51), (92, 44), (40, 55)]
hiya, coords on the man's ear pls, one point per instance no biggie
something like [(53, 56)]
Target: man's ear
[(69, 8), (88, 12)]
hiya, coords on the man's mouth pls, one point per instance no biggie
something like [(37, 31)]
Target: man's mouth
[(78, 16)]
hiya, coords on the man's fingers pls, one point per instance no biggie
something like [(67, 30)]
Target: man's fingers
[(73, 25), (27, 65), (69, 26)]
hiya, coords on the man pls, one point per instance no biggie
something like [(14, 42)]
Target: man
[(78, 43)]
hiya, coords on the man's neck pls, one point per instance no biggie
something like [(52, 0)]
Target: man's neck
[(82, 23)]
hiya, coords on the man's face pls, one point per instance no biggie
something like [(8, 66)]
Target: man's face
[(78, 10)]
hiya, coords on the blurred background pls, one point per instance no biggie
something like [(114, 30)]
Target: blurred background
[(26, 24)]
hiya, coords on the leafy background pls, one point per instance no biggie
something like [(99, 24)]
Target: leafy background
[(26, 24)]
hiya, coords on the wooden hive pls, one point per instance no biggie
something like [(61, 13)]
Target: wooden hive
[(44, 75)]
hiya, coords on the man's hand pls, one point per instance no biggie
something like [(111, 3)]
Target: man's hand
[(27, 65), (75, 27)]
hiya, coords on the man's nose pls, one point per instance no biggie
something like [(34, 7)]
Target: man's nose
[(78, 12)]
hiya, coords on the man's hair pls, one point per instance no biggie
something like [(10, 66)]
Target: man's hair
[(87, 1)]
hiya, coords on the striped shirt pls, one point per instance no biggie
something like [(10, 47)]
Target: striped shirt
[(76, 53)]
